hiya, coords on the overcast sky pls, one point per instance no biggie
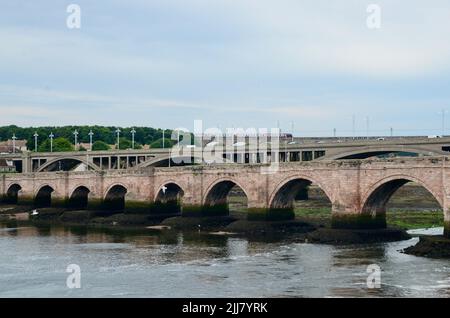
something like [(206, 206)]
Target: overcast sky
[(230, 63)]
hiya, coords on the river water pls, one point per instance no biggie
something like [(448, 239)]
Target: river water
[(33, 263)]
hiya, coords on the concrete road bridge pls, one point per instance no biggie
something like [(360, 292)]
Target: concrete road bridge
[(300, 151), (358, 189)]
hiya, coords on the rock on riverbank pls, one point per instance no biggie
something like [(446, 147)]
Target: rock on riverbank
[(343, 236), (436, 246)]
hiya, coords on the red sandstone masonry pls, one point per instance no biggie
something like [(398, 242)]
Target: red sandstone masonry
[(347, 183)]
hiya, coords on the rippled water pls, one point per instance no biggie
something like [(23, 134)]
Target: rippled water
[(33, 263)]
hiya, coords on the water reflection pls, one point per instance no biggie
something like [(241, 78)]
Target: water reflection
[(151, 263)]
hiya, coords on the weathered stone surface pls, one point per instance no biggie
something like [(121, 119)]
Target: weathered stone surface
[(358, 189)]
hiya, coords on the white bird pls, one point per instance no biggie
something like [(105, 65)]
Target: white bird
[(35, 212)]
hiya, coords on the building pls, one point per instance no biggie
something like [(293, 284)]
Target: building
[(7, 146), (6, 166)]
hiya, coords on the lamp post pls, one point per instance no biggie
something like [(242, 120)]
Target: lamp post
[(14, 138), (118, 138), (90, 138), (443, 112), (367, 127), (51, 136), (353, 126), (163, 137), (35, 141), (75, 134), (133, 132), (292, 130)]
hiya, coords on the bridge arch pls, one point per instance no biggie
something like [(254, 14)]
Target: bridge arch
[(284, 194), (12, 194), (79, 198), (67, 162), (216, 196), (114, 199), (218, 191), (375, 199), (168, 199), (375, 151), (43, 197), (169, 191), (163, 160)]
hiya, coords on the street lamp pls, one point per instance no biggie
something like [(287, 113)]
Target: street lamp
[(51, 136), (443, 112), (75, 134), (118, 138), (14, 142), (35, 141), (292, 130), (133, 132), (163, 137), (90, 138), (367, 126), (353, 126)]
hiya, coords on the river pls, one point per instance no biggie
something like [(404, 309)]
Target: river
[(33, 263)]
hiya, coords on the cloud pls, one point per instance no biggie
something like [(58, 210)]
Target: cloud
[(253, 61)]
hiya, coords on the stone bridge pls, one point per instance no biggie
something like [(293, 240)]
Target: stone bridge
[(358, 189)]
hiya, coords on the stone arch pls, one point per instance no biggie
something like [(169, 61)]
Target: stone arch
[(43, 197), (168, 199), (370, 152), (114, 199), (173, 192), (12, 194), (219, 189), (70, 163), (162, 161), (79, 198), (375, 199), (216, 198), (285, 192)]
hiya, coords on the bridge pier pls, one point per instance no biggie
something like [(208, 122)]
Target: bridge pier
[(346, 213), (358, 190), (357, 221), (192, 210), (270, 214), (447, 222)]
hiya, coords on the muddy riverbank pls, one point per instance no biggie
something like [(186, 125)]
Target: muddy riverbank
[(298, 230), (411, 207)]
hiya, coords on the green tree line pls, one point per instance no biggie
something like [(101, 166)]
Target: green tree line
[(103, 136)]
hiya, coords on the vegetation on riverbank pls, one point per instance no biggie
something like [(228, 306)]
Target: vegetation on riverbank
[(402, 218), (106, 134), (411, 207)]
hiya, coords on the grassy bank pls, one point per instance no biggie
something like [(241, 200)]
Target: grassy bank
[(403, 218), (411, 207)]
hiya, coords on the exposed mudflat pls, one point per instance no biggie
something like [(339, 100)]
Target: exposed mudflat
[(343, 236), (436, 246)]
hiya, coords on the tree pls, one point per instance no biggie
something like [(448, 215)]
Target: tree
[(124, 143), (100, 146), (59, 144), (127, 144), (143, 136), (168, 143)]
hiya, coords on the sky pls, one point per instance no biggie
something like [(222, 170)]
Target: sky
[(246, 63)]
